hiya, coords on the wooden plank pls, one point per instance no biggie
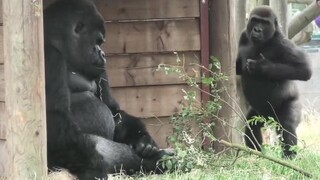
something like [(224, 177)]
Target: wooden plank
[(141, 69), (2, 93), (1, 10), (1, 44), (3, 122), (147, 9), (141, 9), (144, 9), (4, 159), (152, 101), (25, 87), (160, 129), (154, 36)]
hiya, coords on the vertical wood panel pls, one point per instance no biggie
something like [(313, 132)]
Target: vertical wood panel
[(2, 85), (1, 44), (25, 100), (3, 122)]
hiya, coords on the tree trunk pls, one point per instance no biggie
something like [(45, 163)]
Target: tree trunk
[(240, 17), (302, 19), (223, 45), (281, 10)]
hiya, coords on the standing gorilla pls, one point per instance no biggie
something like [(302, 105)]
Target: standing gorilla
[(268, 64), (80, 109)]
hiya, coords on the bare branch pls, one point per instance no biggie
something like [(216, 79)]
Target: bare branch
[(273, 159)]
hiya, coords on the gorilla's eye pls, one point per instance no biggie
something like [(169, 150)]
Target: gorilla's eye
[(79, 27)]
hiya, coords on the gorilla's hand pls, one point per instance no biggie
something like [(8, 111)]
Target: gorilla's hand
[(257, 66), (146, 147)]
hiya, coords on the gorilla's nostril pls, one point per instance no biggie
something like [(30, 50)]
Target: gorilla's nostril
[(102, 55)]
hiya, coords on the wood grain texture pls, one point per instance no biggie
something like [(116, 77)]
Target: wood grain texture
[(141, 69), (144, 9), (1, 45), (4, 158), (152, 101), (3, 122), (160, 129), (2, 85), (152, 36), (147, 9), (25, 102)]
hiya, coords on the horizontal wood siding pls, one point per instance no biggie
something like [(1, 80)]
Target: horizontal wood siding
[(155, 36), (140, 35), (147, 9), (152, 101), (142, 69)]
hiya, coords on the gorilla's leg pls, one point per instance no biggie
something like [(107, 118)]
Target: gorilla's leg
[(289, 118), (253, 136), (120, 156), (115, 157)]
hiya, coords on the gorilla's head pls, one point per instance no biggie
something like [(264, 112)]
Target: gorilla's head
[(75, 29), (262, 25)]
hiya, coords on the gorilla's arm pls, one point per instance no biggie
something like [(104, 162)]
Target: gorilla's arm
[(243, 41), (293, 64), (130, 130), (104, 92)]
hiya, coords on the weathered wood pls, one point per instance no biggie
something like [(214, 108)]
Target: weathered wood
[(155, 36), (2, 93), (3, 122), (1, 44), (147, 9), (144, 9), (25, 87), (160, 129), (3, 160), (1, 18), (141, 69), (223, 44), (152, 101), (280, 8)]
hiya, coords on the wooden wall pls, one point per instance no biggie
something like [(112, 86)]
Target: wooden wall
[(140, 34)]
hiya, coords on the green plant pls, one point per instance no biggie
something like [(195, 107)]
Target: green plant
[(191, 127)]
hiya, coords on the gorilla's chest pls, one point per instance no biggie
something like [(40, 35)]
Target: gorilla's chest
[(92, 115)]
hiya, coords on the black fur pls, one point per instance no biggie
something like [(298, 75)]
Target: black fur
[(82, 134), (268, 64)]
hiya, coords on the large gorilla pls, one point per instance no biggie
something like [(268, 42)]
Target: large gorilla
[(268, 64), (87, 132)]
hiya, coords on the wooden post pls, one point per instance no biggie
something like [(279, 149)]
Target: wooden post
[(223, 46), (280, 8), (25, 89)]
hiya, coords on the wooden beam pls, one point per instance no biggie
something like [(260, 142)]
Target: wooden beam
[(25, 89), (222, 46)]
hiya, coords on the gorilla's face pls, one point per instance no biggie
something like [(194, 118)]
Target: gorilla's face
[(261, 26), (78, 30)]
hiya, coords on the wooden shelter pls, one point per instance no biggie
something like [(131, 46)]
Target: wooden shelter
[(140, 34)]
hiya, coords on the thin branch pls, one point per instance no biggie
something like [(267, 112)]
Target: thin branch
[(273, 159)]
